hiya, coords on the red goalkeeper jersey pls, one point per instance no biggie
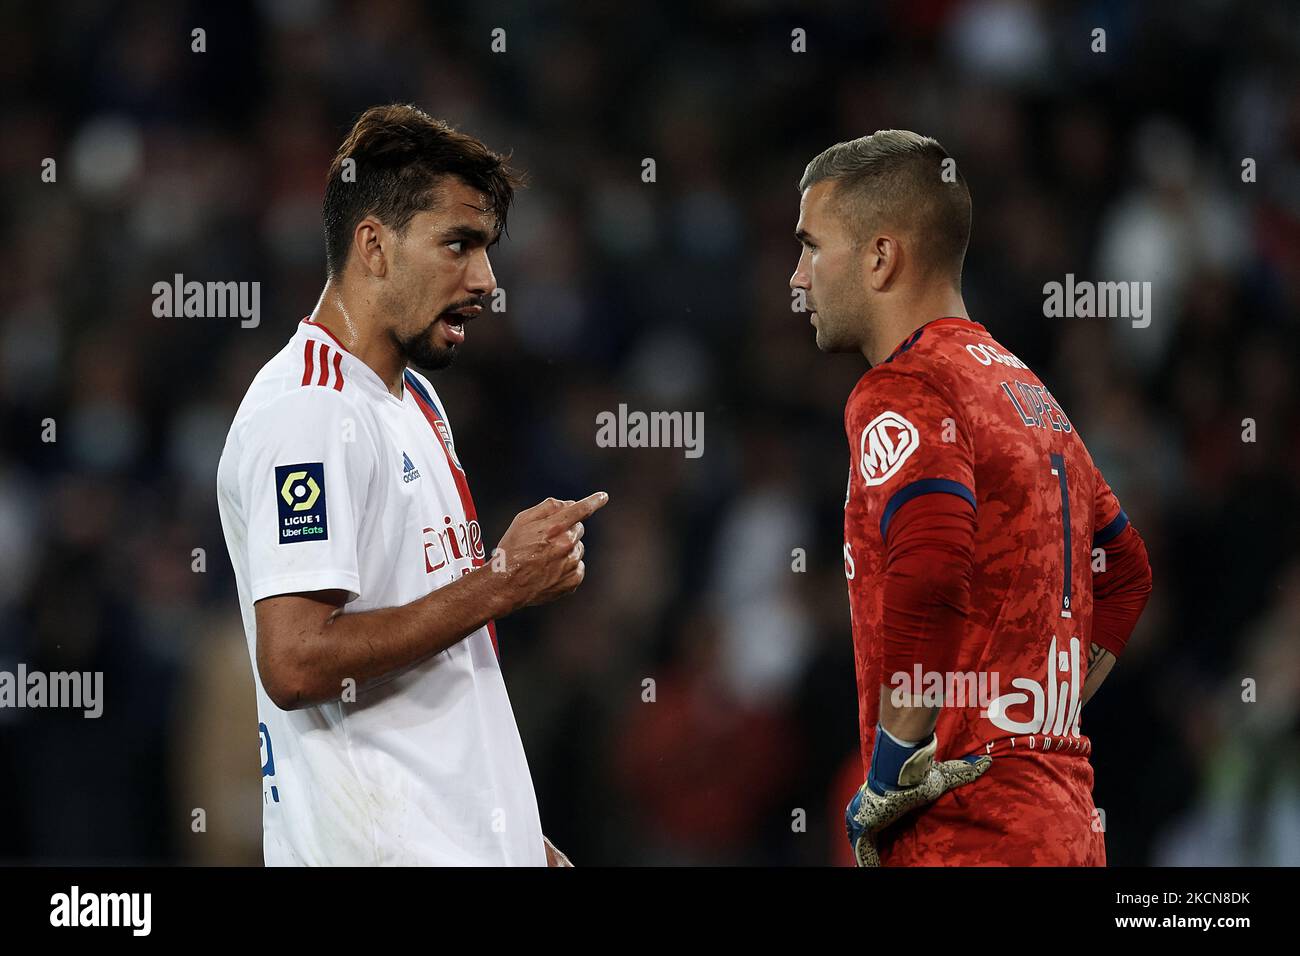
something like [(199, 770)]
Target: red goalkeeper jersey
[(953, 412)]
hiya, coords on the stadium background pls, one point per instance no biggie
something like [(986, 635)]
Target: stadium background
[(667, 295)]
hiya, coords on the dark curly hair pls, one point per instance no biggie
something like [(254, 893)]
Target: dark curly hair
[(401, 155)]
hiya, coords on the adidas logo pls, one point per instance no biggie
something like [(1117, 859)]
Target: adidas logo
[(409, 471)]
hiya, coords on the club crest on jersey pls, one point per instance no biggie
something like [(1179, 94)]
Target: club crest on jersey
[(445, 433), (887, 442)]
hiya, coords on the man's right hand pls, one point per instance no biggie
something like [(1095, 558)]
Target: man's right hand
[(541, 552)]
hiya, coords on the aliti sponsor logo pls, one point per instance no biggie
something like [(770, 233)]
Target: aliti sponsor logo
[(1056, 701)]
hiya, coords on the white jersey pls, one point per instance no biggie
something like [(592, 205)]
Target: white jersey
[(329, 481)]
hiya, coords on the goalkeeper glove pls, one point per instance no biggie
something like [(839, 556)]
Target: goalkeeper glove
[(902, 778)]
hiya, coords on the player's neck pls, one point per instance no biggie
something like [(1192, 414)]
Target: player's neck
[(910, 314), (349, 322)]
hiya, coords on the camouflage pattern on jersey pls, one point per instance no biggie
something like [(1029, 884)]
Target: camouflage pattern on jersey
[(952, 411)]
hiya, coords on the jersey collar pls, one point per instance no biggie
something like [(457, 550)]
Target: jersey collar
[(365, 374), (912, 339)]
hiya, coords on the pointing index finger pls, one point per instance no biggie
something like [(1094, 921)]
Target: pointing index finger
[(570, 515)]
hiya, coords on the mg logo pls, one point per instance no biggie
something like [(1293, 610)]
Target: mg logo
[(886, 443)]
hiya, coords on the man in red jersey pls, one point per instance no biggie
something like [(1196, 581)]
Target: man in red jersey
[(993, 577)]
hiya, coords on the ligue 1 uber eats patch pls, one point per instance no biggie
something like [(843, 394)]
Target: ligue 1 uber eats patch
[(300, 493)]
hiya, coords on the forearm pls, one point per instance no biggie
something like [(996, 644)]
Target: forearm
[(1100, 661), (307, 647), (554, 857), (1120, 593), (370, 646), (909, 722), (926, 602)]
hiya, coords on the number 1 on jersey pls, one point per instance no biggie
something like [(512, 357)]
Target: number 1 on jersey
[(1058, 469)]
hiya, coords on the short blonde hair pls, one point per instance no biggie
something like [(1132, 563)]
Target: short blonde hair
[(896, 177)]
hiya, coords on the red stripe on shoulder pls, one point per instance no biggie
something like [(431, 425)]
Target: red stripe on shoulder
[(307, 360), (324, 364), (338, 371), (308, 321)]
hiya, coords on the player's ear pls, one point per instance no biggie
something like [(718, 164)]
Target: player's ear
[(874, 260), (369, 242), (882, 261)]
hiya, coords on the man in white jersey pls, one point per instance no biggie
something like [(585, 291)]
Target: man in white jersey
[(367, 595)]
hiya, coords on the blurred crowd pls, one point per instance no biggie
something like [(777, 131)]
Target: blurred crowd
[(694, 701)]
